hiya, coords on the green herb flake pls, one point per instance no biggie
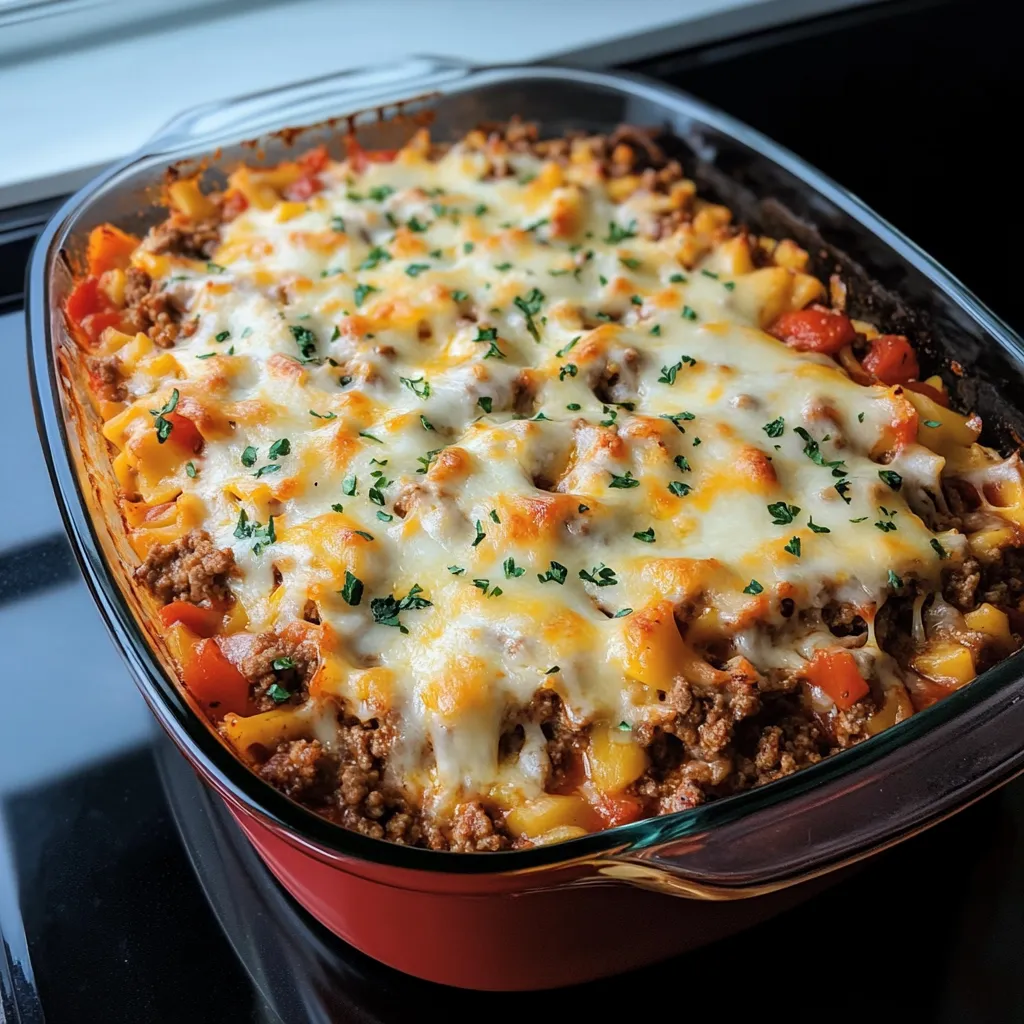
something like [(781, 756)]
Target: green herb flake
[(361, 291), (163, 425), (337, 507), (938, 549), (932, 423), (456, 570), (556, 574), (625, 482), (655, 330), (647, 536), (601, 576), (894, 581), (551, 671), (622, 613), (689, 313), (249, 456), (890, 479), (568, 347), (775, 428), (617, 233), (753, 587), (190, 470), (369, 436), (265, 470), (680, 461), (277, 693), (280, 447), (486, 403), (569, 370), (386, 610), (815, 528), (512, 571), (793, 547), (480, 534), (222, 336), (415, 269), (783, 514), (305, 339), (529, 305)]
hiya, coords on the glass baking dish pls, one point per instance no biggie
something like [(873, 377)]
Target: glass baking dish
[(753, 845)]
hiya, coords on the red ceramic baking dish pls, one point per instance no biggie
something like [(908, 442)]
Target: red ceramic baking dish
[(612, 900)]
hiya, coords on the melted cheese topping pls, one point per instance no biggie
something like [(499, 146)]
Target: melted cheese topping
[(499, 400)]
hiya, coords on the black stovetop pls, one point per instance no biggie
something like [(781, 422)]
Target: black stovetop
[(102, 914)]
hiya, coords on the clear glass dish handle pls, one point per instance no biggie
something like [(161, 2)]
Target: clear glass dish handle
[(818, 826), (306, 102)]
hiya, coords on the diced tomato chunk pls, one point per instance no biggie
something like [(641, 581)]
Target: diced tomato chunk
[(214, 681), (234, 204), (359, 158), (184, 433), (301, 189), (109, 248), (204, 622), (619, 810), (938, 396), (314, 160), (85, 299), (835, 672), (814, 330), (96, 323), (892, 359)]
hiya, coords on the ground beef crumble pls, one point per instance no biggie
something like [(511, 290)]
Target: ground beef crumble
[(152, 311), (277, 665), (190, 568)]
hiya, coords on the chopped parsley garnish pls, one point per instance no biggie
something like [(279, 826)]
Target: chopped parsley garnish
[(190, 469), (679, 489), (622, 613), (502, 266), (601, 576), (677, 279), (480, 534), (352, 592), (551, 671), (680, 461), (380, 192), (668, 373), (537, 224), (426, 461), (813, 452), (617, 233), (363, 534), (529, 305), (456, 570), (677, 418), (280, 447), (842, 489), (468, 247), (337, 507), (305, 339), (369, 436), (335, 334), (384, 517), (282, 664), (862, 519), (485, 403), (215, 268), (419, 386), (415, 269), (163, 425), (251, 530), (689, 313), (753, 587), (414, 224), (938, 548), (425, 423), (338, 224), (480, 209), (655, 330), (815, 528), (574, 407), (894, 581), (566, 348), (348, 485), (793, 547), (860, 417), (206, 355), (932, 423), (647, 536), (360, 293), (374, 258), (249, 456), (886, 525), (630, 262), (273, 467), (512, 571), (223, 336), (696, 441), (569, 370), (276, 692), (775, 428), (636, 300), (891, 478), (385, 610), (624, 482), (581, 508), (556, 574), (783, 514)]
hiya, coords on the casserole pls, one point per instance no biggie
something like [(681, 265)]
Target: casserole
[(742, 846)]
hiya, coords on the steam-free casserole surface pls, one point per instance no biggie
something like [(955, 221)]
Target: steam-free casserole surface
[(498, 493)]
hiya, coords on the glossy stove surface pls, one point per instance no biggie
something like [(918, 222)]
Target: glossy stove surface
[(104, 915)]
